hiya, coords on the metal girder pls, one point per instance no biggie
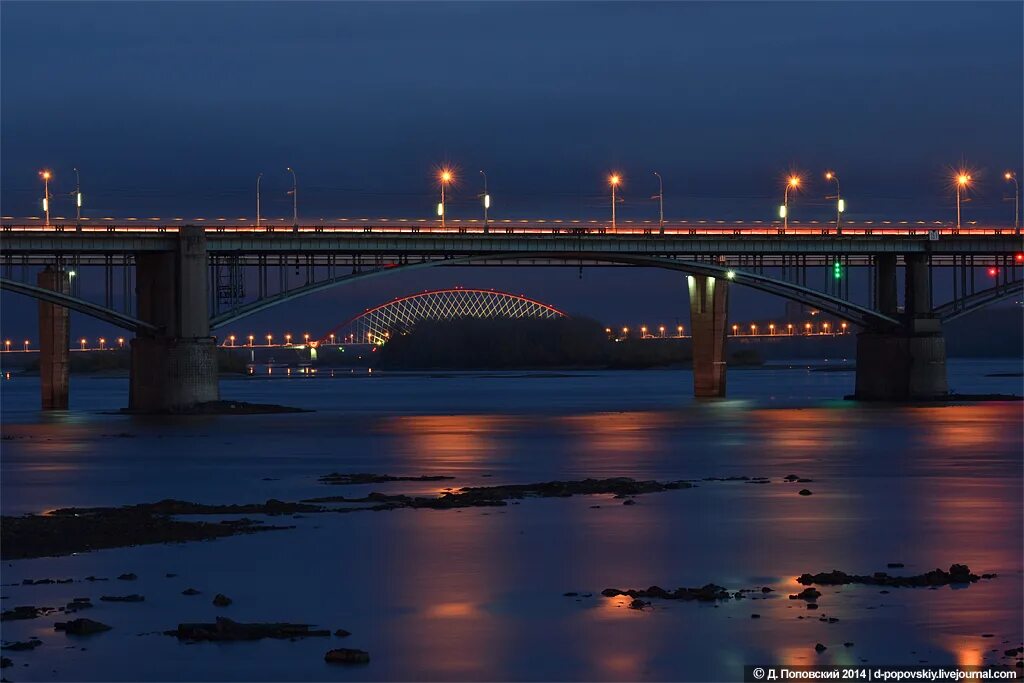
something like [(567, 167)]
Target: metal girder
[(960, 307), (854, 313), (80, 305)]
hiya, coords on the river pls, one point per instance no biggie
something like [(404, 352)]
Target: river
[(477, 593)]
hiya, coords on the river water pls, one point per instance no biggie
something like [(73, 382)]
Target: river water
[(477, 593)]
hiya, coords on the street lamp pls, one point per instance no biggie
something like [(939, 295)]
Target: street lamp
[(792, 183), (26, 345), (643, 331), (78, 198), (661, 329), (825, 325), (679, 329), (1010, 175), (270, 338), (332, 338), (843, 326), (305, 337), (661, 204), (120, 342), (295, 198), (771, 328), (614, 180), (963, 179), (7, 344), (258, 179), (103, 343), (840, 204), (231, 338), (46, 175), (486, 200), (807, 328), (251, 339), (287, 339), (82, 340), (445, 177), (753, 329), (735, 330), (789, 328)]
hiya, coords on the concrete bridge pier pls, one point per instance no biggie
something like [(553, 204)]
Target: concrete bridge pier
[(175, 368), (54, 341), (709, 309), (907, 363)]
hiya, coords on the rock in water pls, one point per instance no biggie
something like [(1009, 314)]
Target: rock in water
[(342, 633), (344, 655), (80, 627), (221, 600), (819, 647), (190, 591), (805, 492), (226, 629), (134, 597)]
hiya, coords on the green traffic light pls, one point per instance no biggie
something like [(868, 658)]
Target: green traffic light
[(837, 270)]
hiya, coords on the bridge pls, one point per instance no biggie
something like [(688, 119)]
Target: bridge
[(179, 283)]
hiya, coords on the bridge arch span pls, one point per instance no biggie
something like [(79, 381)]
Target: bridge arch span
[(854, 313), (107, 315), (375, 325)]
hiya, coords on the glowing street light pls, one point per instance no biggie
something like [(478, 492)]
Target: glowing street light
[(295, 198), (843, 326), (251, 339), (444, 177), (661, 329), (792, 183), (963, 179), (78, 198), (679, 329), (26, 345), (258, 179), (789, 328), (270, 338), (643, 331), (840, 203), (231, 338), (625, 331), (807, 328), (771, 328), (753, 329), (332, 337), (735, 330), (614, 180), (287, 339), (82, 341), (305, 337), (486, 200), (825, 325), (46, 175), (661, 204), (103, 343), (1010, 175), (120, 342), (7, 344)]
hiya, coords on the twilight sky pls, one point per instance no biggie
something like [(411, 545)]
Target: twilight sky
[(174, 108)]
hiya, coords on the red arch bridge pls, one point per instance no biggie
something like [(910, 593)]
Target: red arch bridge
[(179, 284), (376, 325)]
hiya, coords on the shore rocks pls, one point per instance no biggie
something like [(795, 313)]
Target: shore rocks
[(22, 645), (805, 492), (344, 655), (221, 600), (5, 662), (809, 594), (707, 593), (134, 597), (127, 577), (190, 591), (24, 612), (40, 582), (958, 573), (81, 627), (819, 648), (75, 530), (338, 479), (224, 629), (342, 633)]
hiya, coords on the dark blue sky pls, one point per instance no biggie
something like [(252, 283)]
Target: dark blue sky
[(173, 108)]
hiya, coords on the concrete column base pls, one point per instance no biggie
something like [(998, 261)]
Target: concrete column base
[(908, 365), (54, 339), (172, 375), (709, 308)]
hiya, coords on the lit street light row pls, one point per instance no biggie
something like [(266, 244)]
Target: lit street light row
[(789, 329), (446, 176), (233, 340)]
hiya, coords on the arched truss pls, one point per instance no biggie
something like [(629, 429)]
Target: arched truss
[(854, 313), (376, 325), (75, 304), (969, 304)]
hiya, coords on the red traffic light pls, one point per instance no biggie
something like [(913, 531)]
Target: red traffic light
[(1019, 258), (993, 271)]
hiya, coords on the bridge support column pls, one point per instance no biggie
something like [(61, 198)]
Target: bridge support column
[(175, 369), (885, 284), (54, 341), (909, 363), (709, 308)]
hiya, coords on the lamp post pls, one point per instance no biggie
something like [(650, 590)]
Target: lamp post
[(661, 204), (793, 182), (963, 179), (445, 177), (46, 175), (295, 198), (486, 201), (614, 180), (1010, 175), (7, 344), (78, 198), (258, 179), (840, 204)]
